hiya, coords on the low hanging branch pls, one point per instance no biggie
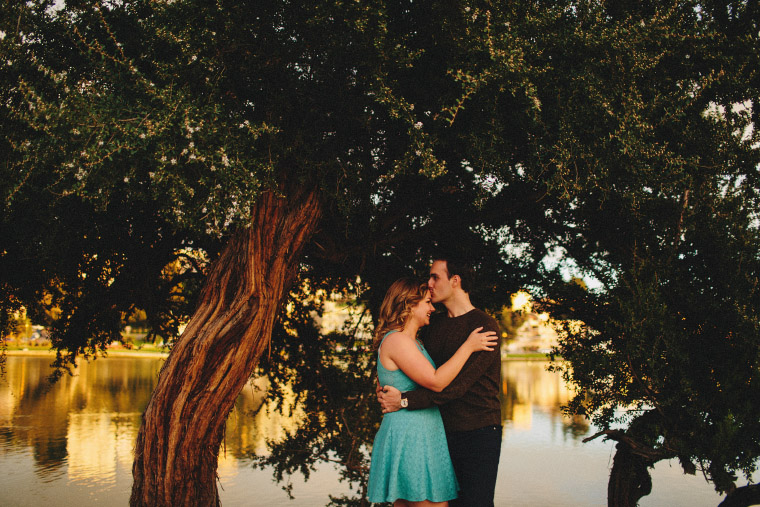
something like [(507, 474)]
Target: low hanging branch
[(742, 497), (636, 447), (629, 478)]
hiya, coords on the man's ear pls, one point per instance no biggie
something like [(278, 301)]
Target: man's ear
[(456, 280)]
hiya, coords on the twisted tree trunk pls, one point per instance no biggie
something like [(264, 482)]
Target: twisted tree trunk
[(629, 478), (178, 443)]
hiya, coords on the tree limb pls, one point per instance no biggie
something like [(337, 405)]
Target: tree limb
[(742, 497), (636, 447)]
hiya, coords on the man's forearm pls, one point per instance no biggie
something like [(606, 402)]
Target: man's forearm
[(417, 399), (473, 370)]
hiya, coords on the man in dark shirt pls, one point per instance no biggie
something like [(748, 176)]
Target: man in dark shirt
[(470, 405)]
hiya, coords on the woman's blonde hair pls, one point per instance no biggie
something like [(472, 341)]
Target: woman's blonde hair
[(401, 297)]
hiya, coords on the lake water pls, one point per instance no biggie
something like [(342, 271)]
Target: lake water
[(71, 444)]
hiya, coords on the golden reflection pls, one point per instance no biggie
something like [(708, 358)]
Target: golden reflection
[(86, 425), (92, 446), (254, 421), (528, 386)]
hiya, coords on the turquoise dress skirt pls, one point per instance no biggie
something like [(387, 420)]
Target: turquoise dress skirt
[(410, 456)]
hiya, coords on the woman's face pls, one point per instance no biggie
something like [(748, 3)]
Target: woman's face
[(422, 310)]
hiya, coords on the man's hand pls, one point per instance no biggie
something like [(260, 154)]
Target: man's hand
[(389, 398)]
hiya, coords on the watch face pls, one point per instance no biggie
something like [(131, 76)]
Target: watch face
[(404, 402)]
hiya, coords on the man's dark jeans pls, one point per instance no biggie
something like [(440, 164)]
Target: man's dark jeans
[(475, 455)]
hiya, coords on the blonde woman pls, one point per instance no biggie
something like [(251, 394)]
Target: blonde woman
[(410, 458)]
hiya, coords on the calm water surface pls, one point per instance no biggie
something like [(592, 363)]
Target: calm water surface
[(71, 444)]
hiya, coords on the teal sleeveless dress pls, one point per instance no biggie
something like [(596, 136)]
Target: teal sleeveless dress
[(410, 456)]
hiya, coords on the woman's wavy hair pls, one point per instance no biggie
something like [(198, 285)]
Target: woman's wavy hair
[(401, 297)]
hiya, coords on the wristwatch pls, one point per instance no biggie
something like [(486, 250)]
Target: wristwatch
[(404, 402)]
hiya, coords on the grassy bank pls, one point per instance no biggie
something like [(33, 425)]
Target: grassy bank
[(144, 351), (529, 357), (150, 350)]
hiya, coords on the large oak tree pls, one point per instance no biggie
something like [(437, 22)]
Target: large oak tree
[(145, 139), (189, 157)]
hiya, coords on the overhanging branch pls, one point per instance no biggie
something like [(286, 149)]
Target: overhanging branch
[(645, 451)]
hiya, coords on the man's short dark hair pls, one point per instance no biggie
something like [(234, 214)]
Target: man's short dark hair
[(459, 267)]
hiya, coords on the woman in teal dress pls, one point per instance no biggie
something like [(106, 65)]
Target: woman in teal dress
[(410, 457)]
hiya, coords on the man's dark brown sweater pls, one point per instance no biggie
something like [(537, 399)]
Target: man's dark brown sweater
[(471, 401)]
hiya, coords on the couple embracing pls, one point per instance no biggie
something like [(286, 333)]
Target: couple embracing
[(440, 438)]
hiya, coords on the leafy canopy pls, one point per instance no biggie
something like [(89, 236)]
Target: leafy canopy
[(621, 136)]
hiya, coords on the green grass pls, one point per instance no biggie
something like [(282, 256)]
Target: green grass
[(534, 356)]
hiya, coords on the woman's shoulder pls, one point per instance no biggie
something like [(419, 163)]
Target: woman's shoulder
[(392, 336), (396, 340)]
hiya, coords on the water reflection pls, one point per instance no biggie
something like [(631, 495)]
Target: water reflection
[(71, 443), (527, 388), (83, 426)]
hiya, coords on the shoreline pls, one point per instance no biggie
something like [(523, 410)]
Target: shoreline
[(159, 354), (108, 354)]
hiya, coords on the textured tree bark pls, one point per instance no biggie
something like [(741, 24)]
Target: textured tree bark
[(629, 478), (178, 443)]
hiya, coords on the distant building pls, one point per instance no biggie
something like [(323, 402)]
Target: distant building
[(339, 315), (535, 335)]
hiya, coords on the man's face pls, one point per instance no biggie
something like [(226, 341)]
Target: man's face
[(439, 282)]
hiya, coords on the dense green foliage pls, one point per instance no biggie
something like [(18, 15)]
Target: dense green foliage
[(657, 149), (139, 135), (620, 136)]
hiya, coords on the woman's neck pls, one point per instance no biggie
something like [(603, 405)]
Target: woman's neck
[(410, 329)]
